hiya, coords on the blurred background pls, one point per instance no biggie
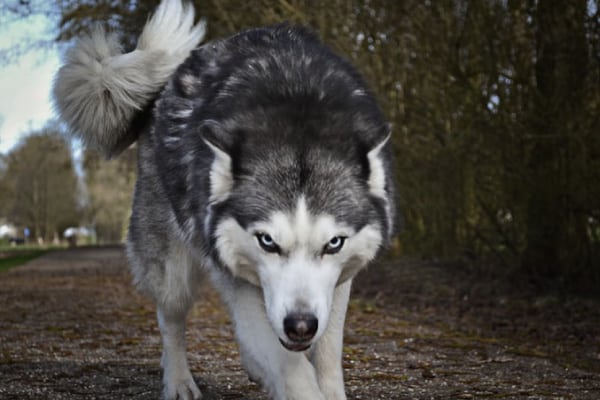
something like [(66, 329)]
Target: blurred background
[(495, 108)]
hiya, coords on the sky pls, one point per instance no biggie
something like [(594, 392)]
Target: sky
[(25, 84)]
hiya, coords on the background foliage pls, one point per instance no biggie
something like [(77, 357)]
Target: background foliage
[(39, 185), (495, 108)]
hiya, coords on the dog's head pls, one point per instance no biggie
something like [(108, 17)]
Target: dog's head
[(300, 184), (298, 220)]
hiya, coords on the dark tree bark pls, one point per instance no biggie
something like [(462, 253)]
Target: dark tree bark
[(554, 235)]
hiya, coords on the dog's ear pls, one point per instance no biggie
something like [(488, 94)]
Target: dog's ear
[(221, 173), (380, 179), (377, 179)]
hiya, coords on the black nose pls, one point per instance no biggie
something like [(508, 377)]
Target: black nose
[(300, 327)]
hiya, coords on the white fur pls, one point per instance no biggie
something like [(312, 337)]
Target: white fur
[(100, 89), (174, 297), (377, 176), (178, 290), (221, 179), (377, 179), (301, 279), (301, 229), (285, 375), (327, 353), (299, 283), (178, 382), (171, 30), (237, 250)]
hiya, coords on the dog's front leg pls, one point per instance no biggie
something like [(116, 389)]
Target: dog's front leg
[(327, 353), (286, 375), (177, 380)]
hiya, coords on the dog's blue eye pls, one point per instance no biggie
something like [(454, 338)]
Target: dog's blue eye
[(267, 243), (334, 245)]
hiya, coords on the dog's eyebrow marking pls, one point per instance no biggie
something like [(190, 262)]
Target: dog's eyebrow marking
[(300, 228), (302, 221)]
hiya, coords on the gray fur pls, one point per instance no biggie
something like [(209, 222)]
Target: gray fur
[(100, 90), (265, 128)]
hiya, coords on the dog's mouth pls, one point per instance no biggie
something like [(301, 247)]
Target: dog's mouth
[(297, 347)]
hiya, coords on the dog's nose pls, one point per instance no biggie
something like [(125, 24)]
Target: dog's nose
[(300, 327)]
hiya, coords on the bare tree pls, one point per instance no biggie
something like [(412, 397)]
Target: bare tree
[(42, 190)]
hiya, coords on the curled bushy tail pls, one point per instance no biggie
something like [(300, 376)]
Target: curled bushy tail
[(100, 90)]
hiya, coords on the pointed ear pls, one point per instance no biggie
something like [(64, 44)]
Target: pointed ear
[(221, 174), (377, 169)]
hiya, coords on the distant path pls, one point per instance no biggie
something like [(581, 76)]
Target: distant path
[(73, 327)]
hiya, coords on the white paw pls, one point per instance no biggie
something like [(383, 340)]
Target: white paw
[(334, 395), (181, 389), (333, 390)]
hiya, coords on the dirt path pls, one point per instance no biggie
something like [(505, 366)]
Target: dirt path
[(72, 327)]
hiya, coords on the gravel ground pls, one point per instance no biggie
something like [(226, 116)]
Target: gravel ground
[(72, 327)]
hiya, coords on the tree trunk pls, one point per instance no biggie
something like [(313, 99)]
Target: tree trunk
[(561, 65)]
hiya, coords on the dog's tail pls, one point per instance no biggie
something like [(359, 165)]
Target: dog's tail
[(100, 90)]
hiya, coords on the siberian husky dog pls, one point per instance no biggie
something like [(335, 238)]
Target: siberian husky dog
[(264, 163)]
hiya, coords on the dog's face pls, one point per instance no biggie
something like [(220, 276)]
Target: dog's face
[(297, 258), (297, 237)]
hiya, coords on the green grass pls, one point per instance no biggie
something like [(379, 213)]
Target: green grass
[(19, 259), (5, 247)]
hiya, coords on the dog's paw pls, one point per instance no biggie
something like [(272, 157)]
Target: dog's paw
[(333, 391), (182, 389), (335, 395)]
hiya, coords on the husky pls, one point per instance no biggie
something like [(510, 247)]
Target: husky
[(264, 163)]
